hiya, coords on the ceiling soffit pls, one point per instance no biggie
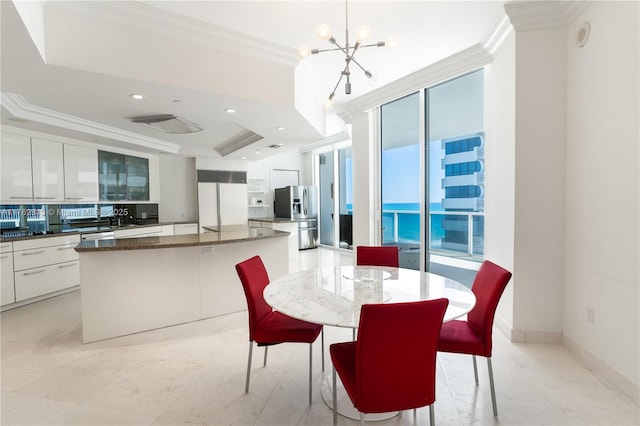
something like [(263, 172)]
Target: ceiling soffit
[(139, 42), (19, 107)]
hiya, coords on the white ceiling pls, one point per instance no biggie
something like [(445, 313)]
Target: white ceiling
[(195, 59)]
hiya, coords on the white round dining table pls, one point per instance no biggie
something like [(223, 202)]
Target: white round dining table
[(334, 295)]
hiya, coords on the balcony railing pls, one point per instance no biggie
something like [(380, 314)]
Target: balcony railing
[(452, 233)]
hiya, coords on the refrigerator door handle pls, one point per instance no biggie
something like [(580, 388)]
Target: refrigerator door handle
[(305, 201)]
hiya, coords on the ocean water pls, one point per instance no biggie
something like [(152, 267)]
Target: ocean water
[(409, 222)]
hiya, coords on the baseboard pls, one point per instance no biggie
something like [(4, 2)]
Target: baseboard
[(593, 362), (527, 336)]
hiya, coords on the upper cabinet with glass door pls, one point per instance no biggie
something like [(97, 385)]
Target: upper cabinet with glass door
[(122, 177)]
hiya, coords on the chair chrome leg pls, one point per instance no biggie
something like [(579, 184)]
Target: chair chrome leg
[(361, 419), (475, 368), (264, 363), (432, 416), (353, 334), (335, 398), (493, 389), (310, 369), (246, 386), (322, 347)]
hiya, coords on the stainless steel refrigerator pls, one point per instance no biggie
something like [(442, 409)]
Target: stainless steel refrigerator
[(222, 204), (300, 204)]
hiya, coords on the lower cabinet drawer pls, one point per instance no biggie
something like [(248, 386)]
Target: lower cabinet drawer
[(28, 259), (38, 281)]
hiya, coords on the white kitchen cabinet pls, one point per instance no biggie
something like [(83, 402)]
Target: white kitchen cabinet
[(167, 230), (46, 279), (185, 228), (8, 292), (45, 265), (135, 232), (290, 227), (80, 173), (15, 156), (47, 167)]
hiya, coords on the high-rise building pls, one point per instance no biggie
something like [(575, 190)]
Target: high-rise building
[(463, 185)]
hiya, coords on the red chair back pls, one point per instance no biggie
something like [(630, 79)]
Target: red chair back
[(377, 256), (254, 278), (396, 355), (488, 286)]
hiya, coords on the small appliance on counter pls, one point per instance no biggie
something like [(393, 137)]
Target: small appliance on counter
[(299, 203)]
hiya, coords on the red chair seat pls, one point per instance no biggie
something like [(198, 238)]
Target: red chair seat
[(458, 337), (344, 355), (277, 327)]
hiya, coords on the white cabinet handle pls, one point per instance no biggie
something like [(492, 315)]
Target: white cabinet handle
[(34, 272), (5, 245), (68, 265), (65, 248), (75, 198), (45, 198), (33, 252), (4, 256), (20, 198)]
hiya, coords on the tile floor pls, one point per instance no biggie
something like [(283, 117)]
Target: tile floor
[(193, 374)]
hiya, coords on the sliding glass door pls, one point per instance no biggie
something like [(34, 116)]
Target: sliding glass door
[(336, 195), (432, 172), (401, 171)]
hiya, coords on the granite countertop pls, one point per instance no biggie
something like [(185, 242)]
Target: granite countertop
[(175, 241), (281, 219), (13, 235)]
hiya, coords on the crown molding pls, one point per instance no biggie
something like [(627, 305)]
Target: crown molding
[(536, 15), (498, 31), (19, 107), (137, 16), (331, 140), (470, 59)]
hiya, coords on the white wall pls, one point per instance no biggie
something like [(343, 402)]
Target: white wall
[(602, 190), (500, 170), (178, 189)]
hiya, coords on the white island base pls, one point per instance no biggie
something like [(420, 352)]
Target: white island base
[(132, 290)]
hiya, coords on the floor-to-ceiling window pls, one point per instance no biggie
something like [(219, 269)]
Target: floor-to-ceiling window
[(400, 173), (434, 189)]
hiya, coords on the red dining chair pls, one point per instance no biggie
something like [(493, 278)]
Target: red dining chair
[(392, 364), (268, 327), (473, 336), (377, 256)]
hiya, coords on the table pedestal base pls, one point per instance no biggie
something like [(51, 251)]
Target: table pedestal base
[(345, 407)]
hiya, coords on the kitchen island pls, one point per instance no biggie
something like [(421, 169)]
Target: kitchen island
[(139, 284)]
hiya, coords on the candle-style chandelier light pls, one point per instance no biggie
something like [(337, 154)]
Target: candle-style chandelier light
[(323, 32)]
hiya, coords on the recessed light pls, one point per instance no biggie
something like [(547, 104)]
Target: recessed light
[(230, 110), (137, 96), (244, 158), (279, 128), (258, 151)]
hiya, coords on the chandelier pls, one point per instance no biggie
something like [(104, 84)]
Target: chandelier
[(323, 32)]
